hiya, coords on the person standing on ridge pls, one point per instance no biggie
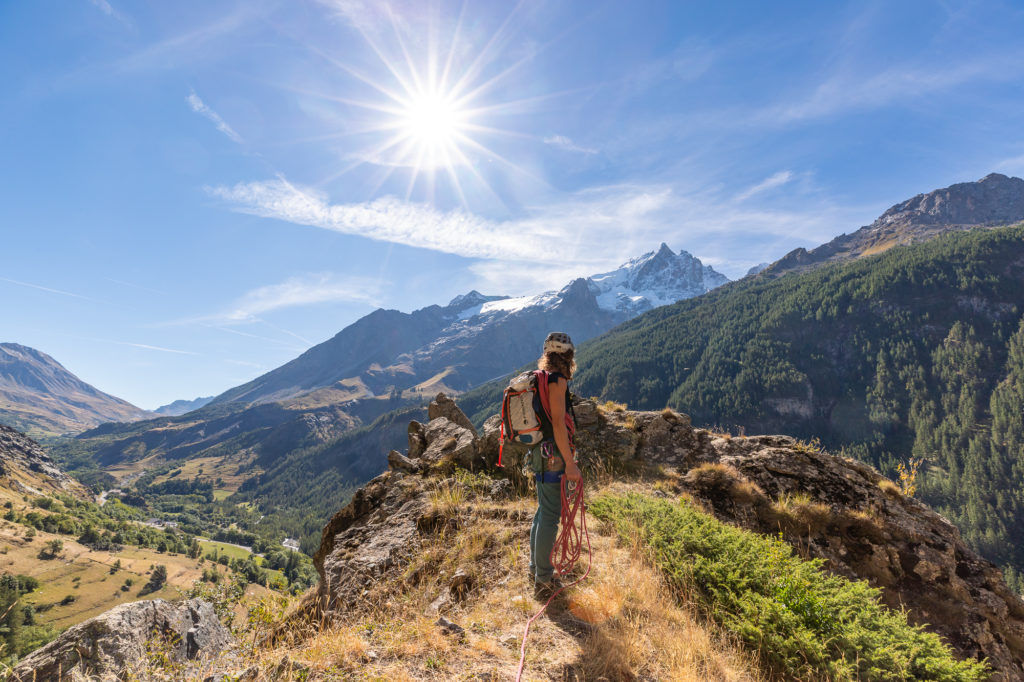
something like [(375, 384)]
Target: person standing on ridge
[(551, 459)]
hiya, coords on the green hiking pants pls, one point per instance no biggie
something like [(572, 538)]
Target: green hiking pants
[(545, 529)]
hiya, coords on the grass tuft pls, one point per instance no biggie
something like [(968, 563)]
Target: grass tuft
[(800, 513)]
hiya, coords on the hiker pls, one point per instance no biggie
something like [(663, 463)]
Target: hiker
[(551, 459)]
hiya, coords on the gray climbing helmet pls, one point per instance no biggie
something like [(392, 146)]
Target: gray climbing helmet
[(558, 342)]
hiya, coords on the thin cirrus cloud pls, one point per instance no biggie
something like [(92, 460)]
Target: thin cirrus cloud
[(201, 108), (594, 230), (840, 93), (777, 180), (146, 346), (564, 143), (301, 291), (604, 217)]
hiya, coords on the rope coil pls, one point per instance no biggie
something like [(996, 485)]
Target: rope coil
[(566, 551)]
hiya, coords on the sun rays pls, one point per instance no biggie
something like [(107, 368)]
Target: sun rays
[(427, 115)]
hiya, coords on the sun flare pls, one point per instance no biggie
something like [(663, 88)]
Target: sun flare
[(433, 123), (433, 119)]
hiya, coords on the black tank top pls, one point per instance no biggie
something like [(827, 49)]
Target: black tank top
[(546, 428)]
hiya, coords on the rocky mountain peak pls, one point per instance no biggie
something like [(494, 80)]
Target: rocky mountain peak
[(993, 201), (470, 299), (656, 278)]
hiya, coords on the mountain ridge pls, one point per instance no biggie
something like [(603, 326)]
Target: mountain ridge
[(994, 200), (39, 395), (388, 350)]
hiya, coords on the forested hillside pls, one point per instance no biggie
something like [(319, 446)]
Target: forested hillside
[(915, 354)]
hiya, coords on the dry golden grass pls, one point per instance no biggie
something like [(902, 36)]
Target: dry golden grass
[(620, 624), (612, 406), (889, 488), (800, 513)]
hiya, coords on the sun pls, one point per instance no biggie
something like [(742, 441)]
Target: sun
[(431, 115), (432, 123)]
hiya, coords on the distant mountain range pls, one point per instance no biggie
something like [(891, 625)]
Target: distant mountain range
[(410, 356), (992, 201), (179, 407), (40, 397)]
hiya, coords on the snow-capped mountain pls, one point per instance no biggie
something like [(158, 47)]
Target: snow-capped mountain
[(474, 338), (654, 279)]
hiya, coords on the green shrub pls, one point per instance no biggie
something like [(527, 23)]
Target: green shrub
[(802, 622)]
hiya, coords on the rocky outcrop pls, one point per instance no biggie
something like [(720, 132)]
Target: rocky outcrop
[(833, 508), (443, 406), (25, 466), (121, 640)]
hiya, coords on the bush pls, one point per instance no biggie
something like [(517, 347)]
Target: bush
[(157, 580), (802, 622)]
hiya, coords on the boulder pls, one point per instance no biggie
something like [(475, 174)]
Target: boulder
[(443, 406), (120, 640), (448, 442)]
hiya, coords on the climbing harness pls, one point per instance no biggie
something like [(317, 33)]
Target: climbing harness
[(568, 547)]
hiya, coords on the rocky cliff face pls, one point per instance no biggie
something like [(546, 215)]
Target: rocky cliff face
[(38, 395), (25, 467), (992, 201), (829, 507)]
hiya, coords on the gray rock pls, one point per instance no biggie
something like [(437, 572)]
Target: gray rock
[(462, 582), (450, 442), (106, 646), (450, 628), (443, 406), (501, 489), (399, 462), (417, 440)]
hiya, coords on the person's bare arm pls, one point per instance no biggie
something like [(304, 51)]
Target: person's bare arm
[(556, 398)]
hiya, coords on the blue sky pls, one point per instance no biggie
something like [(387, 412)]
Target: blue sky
[(193, 193)]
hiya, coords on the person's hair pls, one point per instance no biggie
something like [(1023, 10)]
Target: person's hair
[(563, 363)]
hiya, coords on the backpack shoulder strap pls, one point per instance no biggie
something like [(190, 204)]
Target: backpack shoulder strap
[(543, 392)]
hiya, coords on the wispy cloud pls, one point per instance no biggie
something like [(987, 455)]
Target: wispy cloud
[(843, 92), (301, 291), (156, 348), (109, 10), (587, 232), (49, 289), (608, 211), (777, 180), (566, 144), (1013, 165), (200, 107)]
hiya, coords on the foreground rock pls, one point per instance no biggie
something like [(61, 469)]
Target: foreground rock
[(122, 640), (836, 509)]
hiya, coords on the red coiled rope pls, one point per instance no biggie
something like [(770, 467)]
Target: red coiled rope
[(566, 551)]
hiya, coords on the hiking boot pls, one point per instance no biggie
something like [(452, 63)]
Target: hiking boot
[(542, 590)]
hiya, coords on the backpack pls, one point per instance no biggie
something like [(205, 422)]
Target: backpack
[(525, 410)]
